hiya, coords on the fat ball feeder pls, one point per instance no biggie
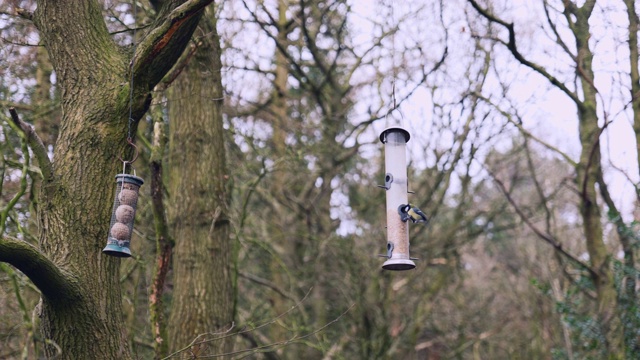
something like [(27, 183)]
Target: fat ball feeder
[(123, 212)]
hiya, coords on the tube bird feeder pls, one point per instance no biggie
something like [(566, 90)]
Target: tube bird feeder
[(122, 215), (395, 161)]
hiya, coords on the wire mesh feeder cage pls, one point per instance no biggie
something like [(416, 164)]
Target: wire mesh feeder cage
[(122, 215)]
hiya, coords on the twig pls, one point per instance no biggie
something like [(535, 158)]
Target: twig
[(4, 214), (267, 283), (279, 344), (524, 131), (193, 343)]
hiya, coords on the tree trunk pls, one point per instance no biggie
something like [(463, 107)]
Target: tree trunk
[(82, 303), (628, 298), (281, 242), (76, 203), (634, 73), (204, 267), (587, 176)]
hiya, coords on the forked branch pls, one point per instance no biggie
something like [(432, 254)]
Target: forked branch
[(512, 46), (542, 235)]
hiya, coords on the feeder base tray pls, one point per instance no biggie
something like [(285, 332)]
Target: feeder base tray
[(398, 264), (117, 251)]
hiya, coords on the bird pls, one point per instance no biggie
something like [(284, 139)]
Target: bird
[(411, 212)]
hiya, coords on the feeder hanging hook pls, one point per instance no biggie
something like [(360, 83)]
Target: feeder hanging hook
[(135, 154)]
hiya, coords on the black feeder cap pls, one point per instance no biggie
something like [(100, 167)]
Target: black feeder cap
[(383, 134)]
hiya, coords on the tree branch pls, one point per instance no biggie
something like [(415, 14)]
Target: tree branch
[(537, 185), (588, 7), (36, 145), (297, 70), (52, 281), (511, 45), (524, 132), (163, 45), (595, 151), (266, 347), (559, 40), (269, 355), (544, 236), (267, 283), (176, 70)]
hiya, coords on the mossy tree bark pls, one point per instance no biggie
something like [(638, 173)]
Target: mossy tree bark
[(204, 267), (81, 310), (47, 126)]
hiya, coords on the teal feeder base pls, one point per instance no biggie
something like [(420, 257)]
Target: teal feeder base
[(117, 251)]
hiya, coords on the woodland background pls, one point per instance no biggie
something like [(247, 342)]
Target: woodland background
[(525, 123)]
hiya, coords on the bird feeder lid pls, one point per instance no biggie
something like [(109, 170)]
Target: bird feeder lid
[(130, 179), (383, 134)]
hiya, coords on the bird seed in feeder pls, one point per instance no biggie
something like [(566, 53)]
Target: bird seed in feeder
[(396, 180), (130, 186), (128, 197), (124, 214), (120, 231)]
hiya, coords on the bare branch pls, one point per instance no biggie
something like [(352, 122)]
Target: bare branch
[(267, 283), (279, 344), (36, 144), (537, 185), (559, 41), (525, 132), (542, 235), (313, 48), (511, 45), (194, 343), (298, 72), (269, 355)]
